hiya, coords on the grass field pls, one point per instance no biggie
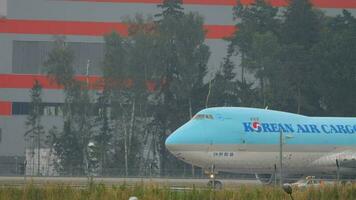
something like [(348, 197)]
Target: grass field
[(154, 192)]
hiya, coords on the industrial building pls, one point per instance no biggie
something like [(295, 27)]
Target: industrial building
[(29, 27)]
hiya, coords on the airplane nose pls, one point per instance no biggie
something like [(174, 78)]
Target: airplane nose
[(174, 140), (184, 135), (170, 141), (178, 140)]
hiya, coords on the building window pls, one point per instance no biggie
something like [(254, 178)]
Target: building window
[(48, 109), (52, 109), (20, 108), (28, 56)]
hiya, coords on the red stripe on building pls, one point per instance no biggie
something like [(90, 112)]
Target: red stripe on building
[(60, 27), (277, 3), (87, 28), (219, 31), (335, 3), (26, 81), (199, 2), (5, 108)]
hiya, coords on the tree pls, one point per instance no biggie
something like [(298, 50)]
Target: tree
[(277, 51), (82, 120), (59, 65), (223, 89), (168, 23), (127, 80), (35, 130), (183, 56), (301, 24), (300, 32), (50, 140), (145, 71), (116, 73), (171, 8), (193, 55), (77, 110), (104, 134), (256, 43), (334, 71), (68, 151), (263, 61)]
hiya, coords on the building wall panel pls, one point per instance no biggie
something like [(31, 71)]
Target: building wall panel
[(3, 8), (29, 57), (5, 53), (5, 108), (118, 12), (27, 33), (89, 28), (277, 3), (105, 12), (7, 40), (23, 95), (13, 130), (217, 48), (17, 81)]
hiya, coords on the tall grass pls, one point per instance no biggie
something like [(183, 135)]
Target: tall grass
[(154, 192)]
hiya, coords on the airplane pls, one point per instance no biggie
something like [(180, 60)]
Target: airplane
[(252, 140)]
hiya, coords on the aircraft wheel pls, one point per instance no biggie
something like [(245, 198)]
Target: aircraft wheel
[(266, 179), (216, 184)]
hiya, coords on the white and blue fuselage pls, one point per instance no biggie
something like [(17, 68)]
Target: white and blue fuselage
[(247, 140)]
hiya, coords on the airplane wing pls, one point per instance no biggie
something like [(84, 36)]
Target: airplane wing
[(348, 163), (344, 158)]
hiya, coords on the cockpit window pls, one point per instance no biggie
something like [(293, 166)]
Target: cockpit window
[(209, 117), (203, 116)]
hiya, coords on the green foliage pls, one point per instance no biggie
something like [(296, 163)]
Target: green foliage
[(256, 44), (153, 192), (300, 61), (301, 24), (118, 81), (335, 70), (257, 18), (192, 55), (68, 151), (34, 134), (77, 113), (36, 110), (58, 66), (293, 57), (183, 56), (299, 33), (143, 64), (102, 138), (171, 8), (224, 91), (115, 68)]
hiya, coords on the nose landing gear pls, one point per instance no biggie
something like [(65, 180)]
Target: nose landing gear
[(213, 183)]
